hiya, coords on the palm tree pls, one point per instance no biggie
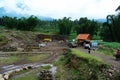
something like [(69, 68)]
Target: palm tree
[(110, 24), (118, 9)]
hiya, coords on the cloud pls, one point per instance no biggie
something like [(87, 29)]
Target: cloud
[(61, 8)]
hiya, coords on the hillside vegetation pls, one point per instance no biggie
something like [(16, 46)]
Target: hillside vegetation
[(108, 48), (75, 65)]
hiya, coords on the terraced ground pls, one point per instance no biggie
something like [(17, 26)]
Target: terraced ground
[(110, 60)]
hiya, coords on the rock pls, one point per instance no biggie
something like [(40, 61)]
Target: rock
[(2, 79), (10, 72), (20, 49), (111, 71), (25, 68), (6, 76), (1, 76), (29, 67), (21, 68), (110, 74), (17, 70)]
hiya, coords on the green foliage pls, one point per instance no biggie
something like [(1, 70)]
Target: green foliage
[(8, 60), (65, 26), (37, 57), (117, 75), (96, 37), (108, 48), (88, 57), (84, 25), (23, 23), (9, 22), (114, 45), (111, 28), (73, 35), (46, 67), (75, 65)]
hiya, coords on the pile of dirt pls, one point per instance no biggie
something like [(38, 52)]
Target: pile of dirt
[(14, 38)]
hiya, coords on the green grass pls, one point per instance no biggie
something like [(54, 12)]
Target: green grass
[(47, 67), (15, 59), (85, 56), (72, 36), (30, 76), (114, 45), (46, 30), (61, 70), (37, 57), (106, 51), (108, 48), (8, 60)]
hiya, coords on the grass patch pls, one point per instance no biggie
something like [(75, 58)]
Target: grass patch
[(106, 51), (37, 57), (47, 30), (61, 70), (21, 58), (8, 60), (113, 45), (30, 76), (47, 67), (108, 48), (85, 56)]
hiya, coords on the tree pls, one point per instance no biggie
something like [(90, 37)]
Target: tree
[(65, 26), (1, 21), (83, 25), (31, 22), (22, 24), (111, 29)]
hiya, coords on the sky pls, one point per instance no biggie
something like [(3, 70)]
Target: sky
[(93, 9)]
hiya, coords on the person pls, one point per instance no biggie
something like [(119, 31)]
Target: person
[(89, 48), (117, 55)]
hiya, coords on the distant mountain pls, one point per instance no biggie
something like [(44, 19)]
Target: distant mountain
[(101, 20), (45, 18), (4, 13)]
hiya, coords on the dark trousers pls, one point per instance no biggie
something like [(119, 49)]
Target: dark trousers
[(88, 50), (117, 56)]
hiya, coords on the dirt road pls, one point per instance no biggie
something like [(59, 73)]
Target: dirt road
[(107, 59)]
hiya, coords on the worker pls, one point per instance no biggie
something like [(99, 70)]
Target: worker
[(117, 55), (89, 48)]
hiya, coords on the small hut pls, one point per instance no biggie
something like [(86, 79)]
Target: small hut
[(83, 39)]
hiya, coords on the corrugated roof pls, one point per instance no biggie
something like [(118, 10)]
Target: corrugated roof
[(83, 36)]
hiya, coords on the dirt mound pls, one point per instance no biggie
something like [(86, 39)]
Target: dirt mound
[(13, 38)]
